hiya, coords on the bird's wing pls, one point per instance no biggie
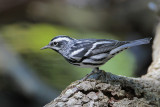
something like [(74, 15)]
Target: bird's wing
[(79, 49), (87, 47), (103, 46)]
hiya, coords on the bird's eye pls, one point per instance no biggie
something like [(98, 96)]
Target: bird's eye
[(55, 43)]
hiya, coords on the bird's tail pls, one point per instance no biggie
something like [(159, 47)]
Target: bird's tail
[(139, 42), (131, 44)]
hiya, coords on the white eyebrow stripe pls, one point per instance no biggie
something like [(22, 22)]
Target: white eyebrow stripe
[(76, 52), (95, 44), (61, 39)]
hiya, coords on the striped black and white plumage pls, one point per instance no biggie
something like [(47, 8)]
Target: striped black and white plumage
[(90, 53)]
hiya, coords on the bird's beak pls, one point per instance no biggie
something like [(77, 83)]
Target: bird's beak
[(45, 47)]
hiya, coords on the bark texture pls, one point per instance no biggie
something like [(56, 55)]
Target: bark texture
[(109, 90)]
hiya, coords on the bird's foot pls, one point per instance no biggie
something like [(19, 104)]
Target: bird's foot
[(87, 76), (95, 74)]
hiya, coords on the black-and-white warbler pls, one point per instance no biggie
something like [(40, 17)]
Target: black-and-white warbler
[(90, 53)]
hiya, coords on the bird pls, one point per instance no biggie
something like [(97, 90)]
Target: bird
[(90, 53)]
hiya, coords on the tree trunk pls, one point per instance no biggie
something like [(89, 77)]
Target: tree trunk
[(110, 90)]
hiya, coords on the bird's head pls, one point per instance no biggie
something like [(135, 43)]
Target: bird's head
[(58, 43)]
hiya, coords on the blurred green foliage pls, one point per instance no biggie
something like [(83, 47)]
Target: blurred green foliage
[(27, 39)]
